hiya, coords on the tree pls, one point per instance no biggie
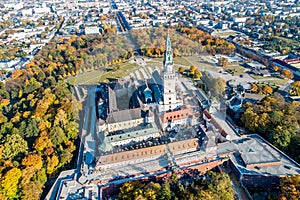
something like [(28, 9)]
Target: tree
[(42, 142), (41, 176), (267, 89), (250, 119), (32, 129), (181, 69), (57, 136), (287, 73), (131, 190), (192, 69), (174, 179), (72, 129), (275, 68), (205, 194), (27, 174), (219, 85), (32, 191), (166, 193), (281, 135), (254, 88), (65, 157), (34, 160), (295, 88), (152, 191), (221, 186), (10, 183), (197, 75), (13, 146), (290, 187), (52, 163)]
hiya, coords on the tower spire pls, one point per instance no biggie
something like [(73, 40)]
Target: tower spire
[(168, 57)]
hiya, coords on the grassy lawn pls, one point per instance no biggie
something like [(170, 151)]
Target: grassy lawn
[(182, 61), (278, 81), (258, 77), (87, 77), (201, 64), (97, 76), (125, 70), (236, 69)]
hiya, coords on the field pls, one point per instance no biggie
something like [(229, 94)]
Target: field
[(101, 75), (278, 81), (201, 63), (87, 77), (235, 69)]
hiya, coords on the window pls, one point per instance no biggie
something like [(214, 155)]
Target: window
[(120, 137), (111, 138)]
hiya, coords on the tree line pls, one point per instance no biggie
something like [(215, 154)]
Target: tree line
[(215, 186), (39, 114), (211, 44), (185, 42)]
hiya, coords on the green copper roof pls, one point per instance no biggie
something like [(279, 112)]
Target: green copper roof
[(168, 59)]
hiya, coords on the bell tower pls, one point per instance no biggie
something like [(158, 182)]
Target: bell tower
[(169, 78)]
